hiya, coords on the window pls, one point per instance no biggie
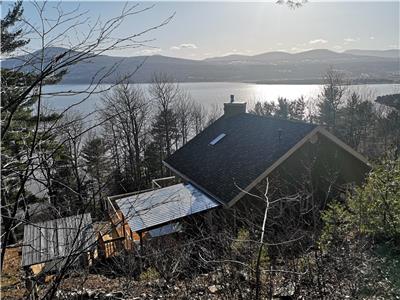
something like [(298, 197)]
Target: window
[(217, 139)]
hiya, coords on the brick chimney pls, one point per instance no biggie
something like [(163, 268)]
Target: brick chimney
[(233, 108)]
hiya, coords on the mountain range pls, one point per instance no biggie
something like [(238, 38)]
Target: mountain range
[(368, 66)]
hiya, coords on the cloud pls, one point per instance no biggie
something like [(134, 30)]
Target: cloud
[(184, 46), (188, 46), (349, 40), (296, 49), (235, 52), (318, 41), (337, 47), (232, 53)]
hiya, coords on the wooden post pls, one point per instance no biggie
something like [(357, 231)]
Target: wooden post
[(141, 242), (141, 251)]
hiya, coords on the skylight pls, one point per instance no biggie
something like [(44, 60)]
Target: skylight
[(217, 139)]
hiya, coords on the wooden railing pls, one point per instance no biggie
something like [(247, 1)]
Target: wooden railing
[(155, 183)]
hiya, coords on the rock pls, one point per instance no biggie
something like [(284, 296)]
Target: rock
[(91, 294), (118, 294), (113, 295), (214, 288), (286, 291), (244, 276)]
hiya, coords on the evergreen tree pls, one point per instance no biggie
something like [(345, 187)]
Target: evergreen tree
[(95, 158), (14, 140), (297, 109), (164, 128), (357, 116), (20, 126), (153, 160), (12, 39), (282, 110), (63, 187), (331, 99), (264, 109)]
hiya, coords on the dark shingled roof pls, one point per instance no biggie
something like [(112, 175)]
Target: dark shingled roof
[(251, 145)]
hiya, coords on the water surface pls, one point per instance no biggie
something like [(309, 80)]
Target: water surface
[(216, 93)]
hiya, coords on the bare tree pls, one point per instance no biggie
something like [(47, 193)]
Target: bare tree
[(199, 115), (90, 40), (127, 110), (214, 113), (165, 92), (71, 133), (184, 115)]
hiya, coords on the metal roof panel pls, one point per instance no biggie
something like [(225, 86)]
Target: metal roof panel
[(161, 206), (54, 239)]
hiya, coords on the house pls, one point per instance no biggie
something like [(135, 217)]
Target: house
[(48, 245), (232, 159)]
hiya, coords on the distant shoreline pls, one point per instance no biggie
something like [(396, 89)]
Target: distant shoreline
[(321, 81)]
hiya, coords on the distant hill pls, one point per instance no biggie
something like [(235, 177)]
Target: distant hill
[(308, 66), (277, 56), (392, 53)]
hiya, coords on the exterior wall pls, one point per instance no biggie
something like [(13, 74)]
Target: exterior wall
[(320, 168)]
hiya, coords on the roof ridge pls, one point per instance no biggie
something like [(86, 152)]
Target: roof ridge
[(278, 119)]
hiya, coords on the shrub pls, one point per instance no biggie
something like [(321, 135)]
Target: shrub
[(375, 206), (241, 241), (150, 274), (370, 214), (337, 225)]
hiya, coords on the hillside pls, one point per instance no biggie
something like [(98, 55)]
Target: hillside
[(373, 66), (392, 53)]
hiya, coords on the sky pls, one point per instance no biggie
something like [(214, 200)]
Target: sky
[(207, 29)]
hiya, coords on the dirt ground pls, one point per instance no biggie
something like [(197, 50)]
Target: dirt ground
[(11, 285)]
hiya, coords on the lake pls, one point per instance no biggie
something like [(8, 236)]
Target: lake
[(211, 93)]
